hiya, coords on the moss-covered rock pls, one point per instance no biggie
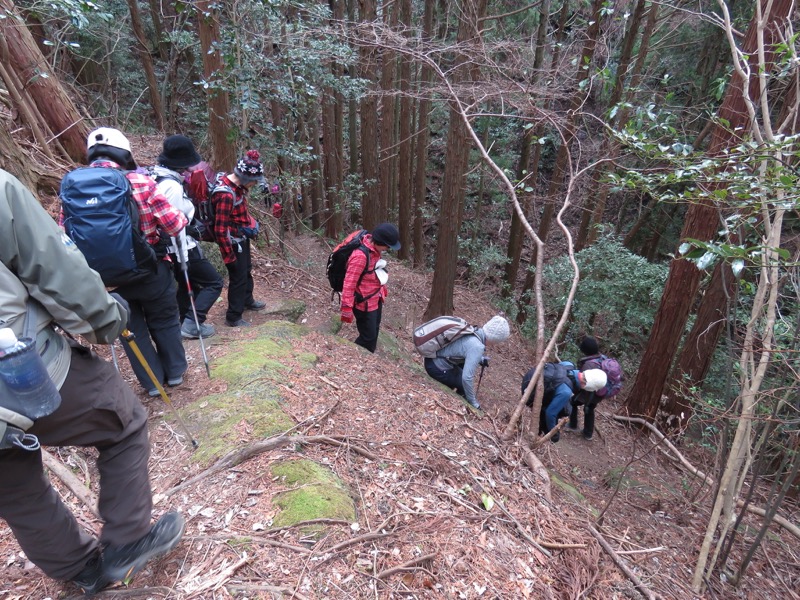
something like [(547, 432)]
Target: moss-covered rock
[(317, 494)]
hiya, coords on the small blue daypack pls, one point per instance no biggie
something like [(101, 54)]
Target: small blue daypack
[(101, 217)]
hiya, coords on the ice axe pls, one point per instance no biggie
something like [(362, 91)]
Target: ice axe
[(130, 338), (185, 268)]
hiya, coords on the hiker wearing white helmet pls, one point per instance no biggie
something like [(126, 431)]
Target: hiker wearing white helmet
[(561, 381), (456, 363)]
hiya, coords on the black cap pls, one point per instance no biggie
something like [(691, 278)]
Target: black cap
[(589, 345), (386, 234), (178, 154)]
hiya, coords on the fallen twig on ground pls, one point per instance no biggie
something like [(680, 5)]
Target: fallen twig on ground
[(75, 485), (410, 565), (643, 590)]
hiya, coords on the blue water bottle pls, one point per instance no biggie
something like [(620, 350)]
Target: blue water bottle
[(29, 389)]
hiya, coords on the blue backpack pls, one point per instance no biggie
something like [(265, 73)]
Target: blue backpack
[(101, 217)]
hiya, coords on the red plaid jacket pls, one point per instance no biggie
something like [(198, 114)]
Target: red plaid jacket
[(368, 286), (229, 217)]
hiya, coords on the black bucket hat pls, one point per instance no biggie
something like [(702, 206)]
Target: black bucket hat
[(179, 153)]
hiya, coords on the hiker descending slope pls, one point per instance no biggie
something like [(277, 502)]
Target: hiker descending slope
[(561, 381), (457, 361), (150, 291), (233, 230), (592, 359), (364, 286), (44, 281), (178, 155)]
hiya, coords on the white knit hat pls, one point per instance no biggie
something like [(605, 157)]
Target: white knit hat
[(496, 329), (596, 379)]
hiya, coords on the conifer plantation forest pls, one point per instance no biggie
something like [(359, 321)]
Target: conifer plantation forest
[(626, 169)]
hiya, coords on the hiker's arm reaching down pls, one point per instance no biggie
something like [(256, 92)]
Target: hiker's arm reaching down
[(355, 268), (472, 359), (52, 269)]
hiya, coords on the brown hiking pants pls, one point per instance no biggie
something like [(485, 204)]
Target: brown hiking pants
[(97, 409)]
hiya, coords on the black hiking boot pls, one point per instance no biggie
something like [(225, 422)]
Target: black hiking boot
[(92, 579), (120, 563)]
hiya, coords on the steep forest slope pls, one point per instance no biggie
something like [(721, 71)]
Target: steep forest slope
[(426, 500)]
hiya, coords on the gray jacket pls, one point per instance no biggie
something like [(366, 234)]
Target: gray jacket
[(39, 263), (466, 351)]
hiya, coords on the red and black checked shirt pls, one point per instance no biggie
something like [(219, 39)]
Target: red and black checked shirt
[(369, 286), (155, 211), (229, 217)]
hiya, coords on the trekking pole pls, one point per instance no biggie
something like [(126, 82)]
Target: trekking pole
[(114, 357), (185, 269), (130, 338), (480, 378)]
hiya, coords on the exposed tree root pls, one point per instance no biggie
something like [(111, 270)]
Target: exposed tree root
[(643, 590)]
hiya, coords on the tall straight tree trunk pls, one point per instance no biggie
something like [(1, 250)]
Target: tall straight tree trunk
[(516, 234), (595, 201), (332, 141), (404, 198), (371, 202), (422, 137), (702, 222), (456, 163), (219, 121), (352, 105), (58, 112), (388, 151), (147, 63)]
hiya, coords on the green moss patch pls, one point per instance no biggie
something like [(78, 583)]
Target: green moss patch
[(318, 494)]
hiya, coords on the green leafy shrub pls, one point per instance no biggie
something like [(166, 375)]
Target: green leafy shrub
[(616, 299)]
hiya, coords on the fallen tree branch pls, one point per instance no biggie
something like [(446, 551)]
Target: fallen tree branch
[(220, 578), (542, 439), (782, 521), (535, 465), (643, 590), (406, 566), (75, 485), (272, 589), (237, 457)]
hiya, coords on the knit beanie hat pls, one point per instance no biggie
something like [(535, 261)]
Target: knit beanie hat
[(596, 379), (249, 168), (589, 346), (387, 235), (496, 329), (179, 153)]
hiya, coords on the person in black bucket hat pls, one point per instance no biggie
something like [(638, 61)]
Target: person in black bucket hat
[(185, 251), (178, 153), (364, 289)]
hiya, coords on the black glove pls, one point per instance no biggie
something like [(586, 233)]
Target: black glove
[(484, 361), (126, 308)]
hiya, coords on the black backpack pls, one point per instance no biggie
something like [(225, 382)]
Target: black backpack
[(336, 269), (102, 218)]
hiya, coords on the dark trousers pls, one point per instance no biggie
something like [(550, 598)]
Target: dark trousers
[(97, 409), (368, 324), (154, 314), (589, 402), (240, 281), (451, 377), (206, 285)]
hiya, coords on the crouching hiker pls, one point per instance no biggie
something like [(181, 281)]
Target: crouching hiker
[(592, 359), (461, 352), (44, 280), (561, 381)]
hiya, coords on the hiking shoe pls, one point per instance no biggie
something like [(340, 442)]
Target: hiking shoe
[(587, 436), (153, 393), (255, 305), (175, 381), (476, 405), (190, 331), (237, 323), (92, 579), (120, 563), (556, 437), (571, 429)]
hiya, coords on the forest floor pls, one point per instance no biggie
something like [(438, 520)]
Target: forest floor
[(424, 529)]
